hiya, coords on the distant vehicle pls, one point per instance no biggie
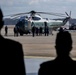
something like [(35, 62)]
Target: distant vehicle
[(72, 27), (25, 24)]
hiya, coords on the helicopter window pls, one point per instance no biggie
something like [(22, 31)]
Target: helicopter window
[(36, 18), (38, 24), (26, 22), (22, 23), (19, 23)]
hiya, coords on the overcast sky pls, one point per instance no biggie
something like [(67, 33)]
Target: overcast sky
[(20, 6)]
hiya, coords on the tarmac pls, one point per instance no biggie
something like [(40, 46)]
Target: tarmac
[(38, 49), (41, 46)]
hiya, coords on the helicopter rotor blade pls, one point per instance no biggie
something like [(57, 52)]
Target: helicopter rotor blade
[(34, 12), (51, 13), (13, 15), (67, 14), (55, 14), (70, 14), (19, 14)]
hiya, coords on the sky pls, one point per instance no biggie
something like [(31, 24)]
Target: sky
[(57, 6)]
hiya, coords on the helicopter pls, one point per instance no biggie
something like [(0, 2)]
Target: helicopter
[(25, 23)]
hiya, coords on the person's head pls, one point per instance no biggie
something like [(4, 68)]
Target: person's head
[(1, 19), (45, 23), (63, 43), (61, 29)]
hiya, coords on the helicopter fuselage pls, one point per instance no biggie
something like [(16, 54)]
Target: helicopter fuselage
[(25, 25)]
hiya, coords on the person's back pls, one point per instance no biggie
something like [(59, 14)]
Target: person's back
[(62, 64), (58, 67), (11, 54), (11, 57)]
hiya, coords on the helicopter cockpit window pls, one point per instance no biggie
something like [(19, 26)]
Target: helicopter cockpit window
[(36, 18)]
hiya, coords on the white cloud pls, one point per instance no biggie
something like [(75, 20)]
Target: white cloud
[(13, 6), (33, 2), (12, 2), (46, 0), (71, 0)]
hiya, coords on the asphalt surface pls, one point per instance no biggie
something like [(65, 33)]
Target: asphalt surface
[(32, 64), (38, 49)]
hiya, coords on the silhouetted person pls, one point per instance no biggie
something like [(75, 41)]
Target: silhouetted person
[(15, 31), (40, 31), (11, 55), (37, 31), (62, 64), (61, 29), (33, 31), (46, 29), (6, 30), (45, 24)]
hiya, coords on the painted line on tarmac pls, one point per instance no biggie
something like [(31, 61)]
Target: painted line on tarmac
[(28, 57)]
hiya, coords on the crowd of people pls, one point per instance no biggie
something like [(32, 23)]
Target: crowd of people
[(39, 31), (35, 31), (12, 60)]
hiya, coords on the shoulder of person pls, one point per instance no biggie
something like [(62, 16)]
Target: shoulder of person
[(74, 61), (47, 63), (10, 41)]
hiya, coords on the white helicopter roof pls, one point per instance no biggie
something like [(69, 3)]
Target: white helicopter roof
[(37, 18)]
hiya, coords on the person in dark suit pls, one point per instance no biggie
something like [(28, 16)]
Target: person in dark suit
[(11, 55), (6, 30), (63, 63), (33, 31)]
